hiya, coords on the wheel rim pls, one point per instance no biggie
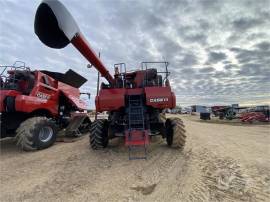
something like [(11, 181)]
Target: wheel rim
[(45, 134)]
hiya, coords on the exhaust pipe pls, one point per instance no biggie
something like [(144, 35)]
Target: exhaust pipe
[(56, 28)]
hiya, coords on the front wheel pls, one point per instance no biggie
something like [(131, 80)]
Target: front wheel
[(36, 133), (175, 133), (98, 137)]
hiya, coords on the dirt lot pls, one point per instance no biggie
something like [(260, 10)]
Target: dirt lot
[(220, 163)]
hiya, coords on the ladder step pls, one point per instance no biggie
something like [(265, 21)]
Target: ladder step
[(136, 137), (136, 123), (132, 110), (136, 108), (136, 152), (137, 114), (140, 128), (134, 101), (136, 118)]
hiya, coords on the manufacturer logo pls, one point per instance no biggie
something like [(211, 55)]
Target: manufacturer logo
[(160, 99), (43, 96)]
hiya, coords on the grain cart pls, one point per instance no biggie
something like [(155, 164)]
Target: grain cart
[(134, 100), (34, 105)]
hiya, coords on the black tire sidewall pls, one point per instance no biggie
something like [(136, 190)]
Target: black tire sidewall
[(96, 135), (169, 132), (105, 138), (37, 143)]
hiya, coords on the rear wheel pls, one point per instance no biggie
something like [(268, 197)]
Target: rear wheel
[(175, 133), (98, 137), (36, 133)]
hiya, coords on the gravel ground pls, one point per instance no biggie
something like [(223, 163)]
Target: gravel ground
[(219, 163)]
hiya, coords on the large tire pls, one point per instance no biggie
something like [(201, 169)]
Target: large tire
[(98, 137), (36, 133), (175, 133)]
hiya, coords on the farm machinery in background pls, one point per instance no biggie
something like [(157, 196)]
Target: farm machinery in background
[(35, 105), (259, 113), (134, 100), (245, 114), (227, 112)]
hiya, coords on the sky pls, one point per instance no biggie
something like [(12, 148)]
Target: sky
[(219, 51)]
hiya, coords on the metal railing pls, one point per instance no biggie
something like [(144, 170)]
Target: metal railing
[(7, 78), (145, 66)]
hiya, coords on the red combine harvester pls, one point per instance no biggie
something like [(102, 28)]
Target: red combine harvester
[(34, 105), (134, 100)]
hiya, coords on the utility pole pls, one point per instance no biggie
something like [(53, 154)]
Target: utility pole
[(97, 86)]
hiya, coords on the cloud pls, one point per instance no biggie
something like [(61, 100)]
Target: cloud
[(243, 24), (207, 70), (260, 56), (214, 57), (198, 37), (264, 46)]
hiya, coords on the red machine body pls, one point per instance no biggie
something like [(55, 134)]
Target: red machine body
[(42, 96), (25, 93), (114, 99)]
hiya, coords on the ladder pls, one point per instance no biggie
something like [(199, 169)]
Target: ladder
[(136, 135)]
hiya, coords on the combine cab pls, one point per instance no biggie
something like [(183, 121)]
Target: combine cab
[(35, 105)]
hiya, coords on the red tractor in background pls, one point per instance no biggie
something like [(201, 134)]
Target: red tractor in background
[(35, 105), (134, 100)]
